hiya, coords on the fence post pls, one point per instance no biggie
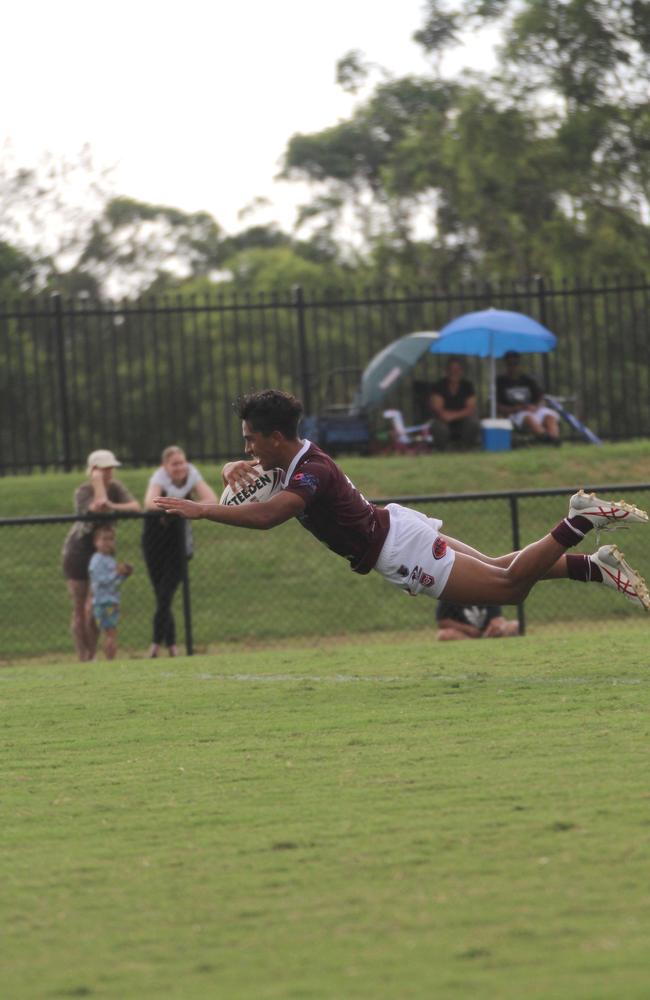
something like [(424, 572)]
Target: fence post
[(298, 298), (516, 545), (59, 342), (541, 296), (187, 603)]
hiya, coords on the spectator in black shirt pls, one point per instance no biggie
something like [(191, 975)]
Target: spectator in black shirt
[(520, 398), (453, 404)]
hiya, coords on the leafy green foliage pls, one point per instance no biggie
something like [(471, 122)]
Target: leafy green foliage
[(543, 168)]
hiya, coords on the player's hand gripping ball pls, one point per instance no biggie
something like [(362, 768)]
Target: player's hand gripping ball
[(267, 484)]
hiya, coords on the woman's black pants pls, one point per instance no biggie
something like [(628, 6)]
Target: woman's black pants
[(162, 547)]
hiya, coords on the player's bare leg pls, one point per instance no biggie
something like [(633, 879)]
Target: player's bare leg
[(458, 546), (559, 571), (507, 579), (473, 581)]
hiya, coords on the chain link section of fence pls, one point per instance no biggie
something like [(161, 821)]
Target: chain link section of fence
[(282, 586)]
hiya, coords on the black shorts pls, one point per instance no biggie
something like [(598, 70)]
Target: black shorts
[(76, 558)]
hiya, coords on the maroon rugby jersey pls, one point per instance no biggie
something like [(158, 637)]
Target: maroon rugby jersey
[(335, 512)]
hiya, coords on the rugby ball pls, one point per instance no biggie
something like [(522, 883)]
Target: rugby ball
[(267, 484)]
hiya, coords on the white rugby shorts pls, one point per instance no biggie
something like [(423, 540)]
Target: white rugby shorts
[(539, 414), (414, 556)]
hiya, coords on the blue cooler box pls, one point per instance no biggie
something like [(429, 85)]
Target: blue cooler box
[(496, 435)]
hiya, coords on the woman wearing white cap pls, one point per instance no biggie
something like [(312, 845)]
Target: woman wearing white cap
[(100, 493)]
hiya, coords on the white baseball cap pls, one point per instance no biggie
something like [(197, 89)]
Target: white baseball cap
[(101, 459)]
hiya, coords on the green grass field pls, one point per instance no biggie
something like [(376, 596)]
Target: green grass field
[(391, 820)]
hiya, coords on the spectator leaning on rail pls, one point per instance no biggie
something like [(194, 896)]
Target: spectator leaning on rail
[(100, 493), (163, 539), (520, 398)]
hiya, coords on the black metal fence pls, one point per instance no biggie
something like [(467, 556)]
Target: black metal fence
[(281, 586), (135, 376)]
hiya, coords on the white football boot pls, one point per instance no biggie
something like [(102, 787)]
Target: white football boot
[(618, 573), (605, 515)]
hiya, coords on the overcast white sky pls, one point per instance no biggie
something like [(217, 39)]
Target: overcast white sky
[(193, 102)]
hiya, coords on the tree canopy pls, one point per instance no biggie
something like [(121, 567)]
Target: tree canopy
[(541, 167)]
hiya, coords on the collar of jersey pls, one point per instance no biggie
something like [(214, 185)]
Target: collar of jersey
[(292, 468)]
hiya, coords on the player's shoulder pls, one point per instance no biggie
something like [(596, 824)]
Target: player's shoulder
[(315, 455), (313, 471)]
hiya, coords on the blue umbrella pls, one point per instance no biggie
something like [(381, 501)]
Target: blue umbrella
[(490, 333)]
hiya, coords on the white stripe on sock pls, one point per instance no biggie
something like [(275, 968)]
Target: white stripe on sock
[(576, 531)]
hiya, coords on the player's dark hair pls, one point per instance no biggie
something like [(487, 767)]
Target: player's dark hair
[(270, 410)]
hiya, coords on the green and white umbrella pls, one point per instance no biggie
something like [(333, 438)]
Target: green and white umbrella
[(386, 369)]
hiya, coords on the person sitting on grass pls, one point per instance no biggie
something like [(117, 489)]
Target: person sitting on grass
[(106, 575), (472, 621), (404, 546)]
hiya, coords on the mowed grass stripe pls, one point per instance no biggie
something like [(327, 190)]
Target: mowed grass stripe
[(458, 820)]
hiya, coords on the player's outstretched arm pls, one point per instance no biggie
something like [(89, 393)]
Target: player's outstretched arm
[(282, 507)]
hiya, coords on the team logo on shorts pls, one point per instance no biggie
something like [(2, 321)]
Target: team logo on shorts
[(439, 548), (426, 580)]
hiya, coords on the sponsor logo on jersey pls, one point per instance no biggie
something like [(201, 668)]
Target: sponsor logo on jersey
[(439, 548), (305, 481)]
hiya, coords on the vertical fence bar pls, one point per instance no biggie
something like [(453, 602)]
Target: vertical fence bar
[(298, 299), (541, 298), (516, 545), (187, 601), (59, 341), (90, 363)]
